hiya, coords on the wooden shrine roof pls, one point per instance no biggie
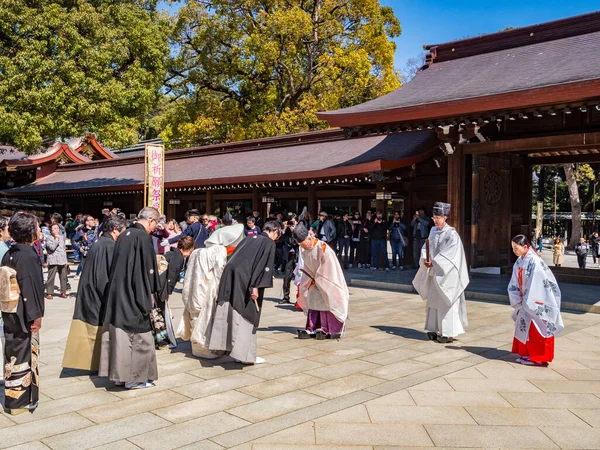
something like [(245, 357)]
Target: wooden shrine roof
[(545, 64), (76, 150), (267, 160)]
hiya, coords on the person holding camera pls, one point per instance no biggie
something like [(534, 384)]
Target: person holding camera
[(84, 238), (378, 232), (398, 241)]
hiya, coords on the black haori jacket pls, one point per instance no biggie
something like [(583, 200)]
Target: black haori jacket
[(250, 267), (90, 306), (24, 259), (133, 282)]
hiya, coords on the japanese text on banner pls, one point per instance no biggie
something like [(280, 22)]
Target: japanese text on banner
[(155, 176)]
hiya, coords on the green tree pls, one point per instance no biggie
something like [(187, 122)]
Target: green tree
[(254, 68), (72, 66)]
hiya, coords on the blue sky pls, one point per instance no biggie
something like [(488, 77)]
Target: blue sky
[(437, 21)]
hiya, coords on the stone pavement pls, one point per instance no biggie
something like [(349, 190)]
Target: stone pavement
[(383, 386), (575, 297)]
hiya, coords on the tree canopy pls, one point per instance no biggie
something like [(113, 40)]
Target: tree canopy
[(72, 66), (256, 68), (214, 71)]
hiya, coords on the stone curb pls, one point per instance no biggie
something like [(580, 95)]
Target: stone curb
[(471, 295)]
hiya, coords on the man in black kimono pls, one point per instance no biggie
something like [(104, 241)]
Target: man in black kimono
[(22, 324), (128, 356), (83, 344), (240, 298)]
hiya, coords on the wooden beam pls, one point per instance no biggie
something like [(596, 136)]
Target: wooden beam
[(488, 104), (529, 145), (564, 159)]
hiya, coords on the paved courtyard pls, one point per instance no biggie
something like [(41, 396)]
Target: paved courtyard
[(383, 386)]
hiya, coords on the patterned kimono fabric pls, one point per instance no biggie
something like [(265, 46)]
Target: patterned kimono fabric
[(536, 297), (21, 373), (21, 348)]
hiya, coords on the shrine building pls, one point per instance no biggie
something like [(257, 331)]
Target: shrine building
[(468, 129)]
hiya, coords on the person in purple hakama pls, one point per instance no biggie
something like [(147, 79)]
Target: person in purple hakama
[(323, 291)]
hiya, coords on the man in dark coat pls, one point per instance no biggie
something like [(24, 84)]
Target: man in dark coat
[(240, 298), (195, 229), (83, 344), (128, 355), (21, 327)]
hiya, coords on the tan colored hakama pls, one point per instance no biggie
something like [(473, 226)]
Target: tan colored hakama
[(127, 357), (83, 346)]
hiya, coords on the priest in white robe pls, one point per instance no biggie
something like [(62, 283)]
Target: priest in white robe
[(442, 279), (201, 286)]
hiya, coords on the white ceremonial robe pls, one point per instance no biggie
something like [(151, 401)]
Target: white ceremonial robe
[(442, 286), (536, 298), (322, 285), (200, 288)]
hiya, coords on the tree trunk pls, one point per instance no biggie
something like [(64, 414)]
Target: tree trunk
[(576, 231), (539, 223)]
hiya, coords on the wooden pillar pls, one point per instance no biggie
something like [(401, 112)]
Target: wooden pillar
[(381, 203), (209, 202), (256, 200), (139, 203), (456, 190), (222, 207), (312, 203)]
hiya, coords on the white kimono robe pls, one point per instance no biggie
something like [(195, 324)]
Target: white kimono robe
[(323, 286), (200, 288), (442, 286), (536, 299)]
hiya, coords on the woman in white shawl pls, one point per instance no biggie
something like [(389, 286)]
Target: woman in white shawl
[(535, 295), (201, 285)]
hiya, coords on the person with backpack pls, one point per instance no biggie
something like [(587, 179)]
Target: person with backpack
[(398, 241)]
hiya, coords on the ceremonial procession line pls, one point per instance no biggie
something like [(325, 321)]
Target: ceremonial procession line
[(382, 386)]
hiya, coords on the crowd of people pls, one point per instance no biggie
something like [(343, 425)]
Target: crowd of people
[(129, 269), (583, 249)]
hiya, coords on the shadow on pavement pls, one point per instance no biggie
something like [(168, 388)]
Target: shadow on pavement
[(409, 333), (486, 352), (291, 330)]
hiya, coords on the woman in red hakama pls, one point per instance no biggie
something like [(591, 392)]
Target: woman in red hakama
[(535, 296)]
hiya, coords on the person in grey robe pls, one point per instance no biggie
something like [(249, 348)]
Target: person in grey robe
[(128, 355), (241, 289)]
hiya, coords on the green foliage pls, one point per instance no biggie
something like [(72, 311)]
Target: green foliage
[(72, 66), (585, 174), (255, 68)]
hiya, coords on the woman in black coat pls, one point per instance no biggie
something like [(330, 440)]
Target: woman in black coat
[(22, 324)]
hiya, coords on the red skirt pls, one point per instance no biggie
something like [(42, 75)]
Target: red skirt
[(538, 348)]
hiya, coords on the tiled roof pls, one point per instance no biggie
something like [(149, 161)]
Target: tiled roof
[(532, 66), (276, 163), (502, 65)]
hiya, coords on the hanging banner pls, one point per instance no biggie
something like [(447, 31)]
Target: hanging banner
[(154, 186)]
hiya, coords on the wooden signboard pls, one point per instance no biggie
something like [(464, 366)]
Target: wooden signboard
[(154, 177)]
